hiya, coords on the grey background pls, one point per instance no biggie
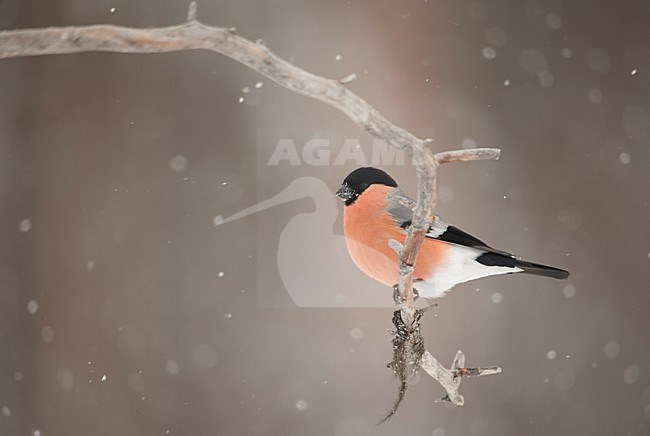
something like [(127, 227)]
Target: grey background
[(85, 148)]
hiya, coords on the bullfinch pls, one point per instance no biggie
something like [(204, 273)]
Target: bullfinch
[(376, 210)]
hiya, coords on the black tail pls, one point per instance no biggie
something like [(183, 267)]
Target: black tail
[(542, 270), (496, 259)]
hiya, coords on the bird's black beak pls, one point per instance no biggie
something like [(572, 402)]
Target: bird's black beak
[(345, 193)]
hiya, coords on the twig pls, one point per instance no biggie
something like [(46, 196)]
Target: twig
[(195, 35), (466, 155), (450, 378), (348, 79)]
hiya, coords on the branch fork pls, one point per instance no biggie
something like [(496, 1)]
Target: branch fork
[(193, 34)]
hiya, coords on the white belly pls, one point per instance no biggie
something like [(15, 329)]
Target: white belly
[(460, 266)]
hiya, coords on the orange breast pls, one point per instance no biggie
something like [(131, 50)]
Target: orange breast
[(368, 228)]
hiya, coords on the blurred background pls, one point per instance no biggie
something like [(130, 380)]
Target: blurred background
[(125, 310)]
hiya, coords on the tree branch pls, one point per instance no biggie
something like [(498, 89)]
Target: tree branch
[(195, 35)]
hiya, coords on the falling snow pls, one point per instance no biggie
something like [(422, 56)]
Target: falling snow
[(178, 163), (497, 297), (172, 367), (632, 374), (218, 220), (47, 334), (569, 291), (625, 158), (546, 79), (595, 96), (439, 431), (65, 378), (553, 21), (574, 87), (612, 349), (301, 405), (32, 307), (356, 333), (489, 53), (468, 143), (25, 225)]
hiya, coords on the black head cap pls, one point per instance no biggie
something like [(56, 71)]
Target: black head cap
[(359, 180)]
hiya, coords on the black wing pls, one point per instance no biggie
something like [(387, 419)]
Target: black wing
[(402, 211)]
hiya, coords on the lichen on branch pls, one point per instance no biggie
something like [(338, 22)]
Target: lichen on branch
[(194, 35)]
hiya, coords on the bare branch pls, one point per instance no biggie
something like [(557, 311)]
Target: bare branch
[(192, 12), (195, 35), (450, 379), (467, 155), (348, 79)]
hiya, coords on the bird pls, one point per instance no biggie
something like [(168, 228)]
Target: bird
[(376, 210)]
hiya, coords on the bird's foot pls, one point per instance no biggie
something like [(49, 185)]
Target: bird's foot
[(396, 296), (419, 313), (401, 328)]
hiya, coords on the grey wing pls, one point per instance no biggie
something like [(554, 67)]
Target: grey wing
[(401, 208)]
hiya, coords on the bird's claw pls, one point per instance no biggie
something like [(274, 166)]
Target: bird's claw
[(397, 298), (419, 313)]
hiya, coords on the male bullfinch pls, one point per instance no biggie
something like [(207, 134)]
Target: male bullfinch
[(376, 210)]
